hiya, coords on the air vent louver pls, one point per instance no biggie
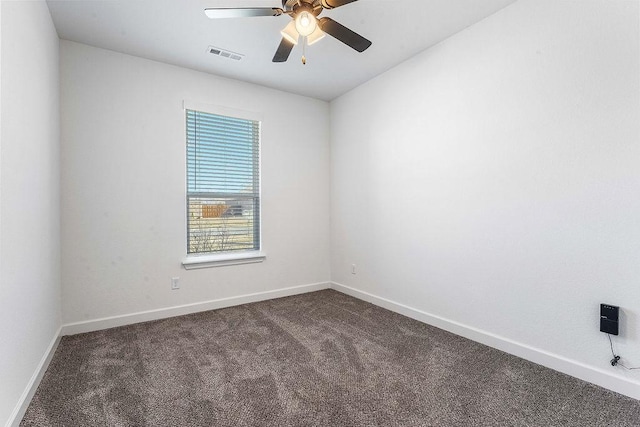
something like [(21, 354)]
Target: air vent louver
[(225, 53)]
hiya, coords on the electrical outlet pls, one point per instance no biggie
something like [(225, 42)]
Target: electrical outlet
[(175, 283), (353, 269)]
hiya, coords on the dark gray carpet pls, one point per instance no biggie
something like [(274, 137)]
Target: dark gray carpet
[(319, 359)]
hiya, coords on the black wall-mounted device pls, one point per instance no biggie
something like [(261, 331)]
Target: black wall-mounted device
[(609, 315)]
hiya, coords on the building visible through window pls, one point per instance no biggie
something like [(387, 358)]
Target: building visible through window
[(223, 183)]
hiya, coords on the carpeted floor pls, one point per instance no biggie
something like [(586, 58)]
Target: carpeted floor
[(319, 359)]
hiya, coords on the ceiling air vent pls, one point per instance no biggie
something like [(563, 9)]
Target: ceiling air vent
[(225, 53)]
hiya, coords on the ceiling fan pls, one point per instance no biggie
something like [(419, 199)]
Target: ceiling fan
[(305, 23)]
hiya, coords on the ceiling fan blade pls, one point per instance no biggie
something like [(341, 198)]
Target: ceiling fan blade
[(332, 4), (242, 12), (345, 35), (282, 54)]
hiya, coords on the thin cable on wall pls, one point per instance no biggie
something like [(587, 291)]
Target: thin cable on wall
[(616, 359)]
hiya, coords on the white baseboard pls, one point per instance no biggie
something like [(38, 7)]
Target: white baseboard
[(32, 385), (553, 361), (163, 313)]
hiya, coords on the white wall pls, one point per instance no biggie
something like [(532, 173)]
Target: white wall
[(493, 180), (29, 196), (123, 186)]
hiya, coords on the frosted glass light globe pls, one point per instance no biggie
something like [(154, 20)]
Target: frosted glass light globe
[(306, 23)]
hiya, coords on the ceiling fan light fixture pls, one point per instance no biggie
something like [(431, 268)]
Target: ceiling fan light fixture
[(305, 23), (290, 33), (316, 36)]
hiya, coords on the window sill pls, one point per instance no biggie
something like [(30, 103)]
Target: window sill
[(221, 260)]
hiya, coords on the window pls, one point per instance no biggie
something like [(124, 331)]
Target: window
[(223, 184)]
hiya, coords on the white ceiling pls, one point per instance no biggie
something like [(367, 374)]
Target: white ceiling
[(178, 32)]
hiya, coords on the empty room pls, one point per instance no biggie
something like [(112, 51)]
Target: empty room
[(319, 213)]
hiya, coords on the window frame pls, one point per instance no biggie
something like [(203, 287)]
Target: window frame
[(218, 259)]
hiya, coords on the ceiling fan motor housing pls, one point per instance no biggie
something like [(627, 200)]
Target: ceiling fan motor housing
[(313, 6)]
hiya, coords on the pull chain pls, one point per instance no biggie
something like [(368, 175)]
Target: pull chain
[(304, 45)]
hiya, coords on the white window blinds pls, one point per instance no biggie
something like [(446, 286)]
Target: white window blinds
[(223, 187)]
